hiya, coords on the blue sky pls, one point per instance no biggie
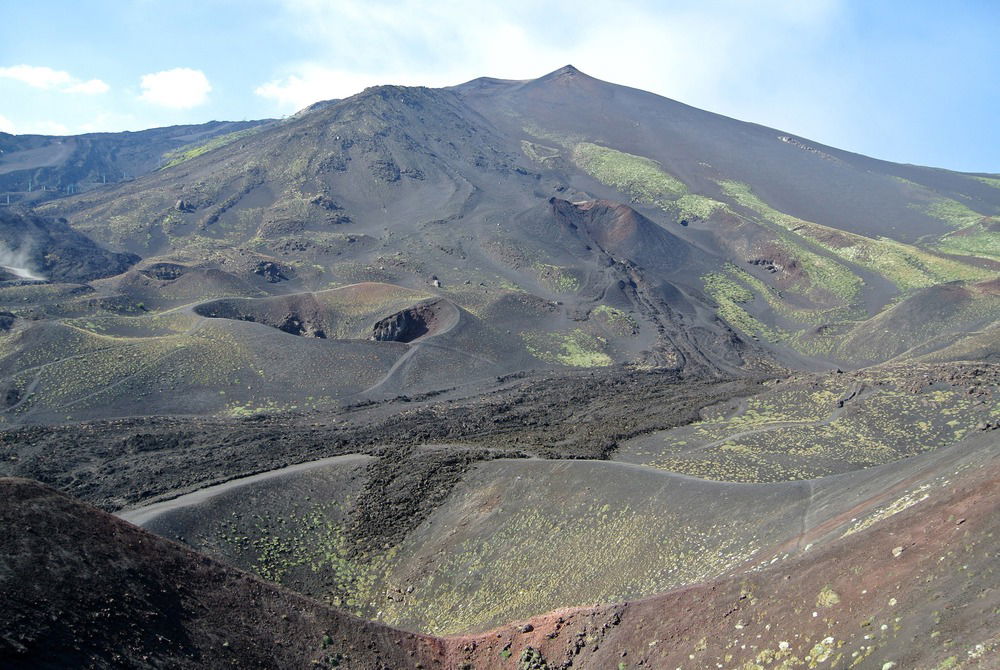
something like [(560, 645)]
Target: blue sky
[(913, 81)]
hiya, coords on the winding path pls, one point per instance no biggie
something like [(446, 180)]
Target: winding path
[(141, 516), (426, 342)]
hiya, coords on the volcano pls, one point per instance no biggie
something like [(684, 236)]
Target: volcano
[(541, 374)]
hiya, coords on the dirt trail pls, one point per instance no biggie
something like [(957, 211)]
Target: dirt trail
[(143, 515), (40, 369), (806, 524), (414, 347)]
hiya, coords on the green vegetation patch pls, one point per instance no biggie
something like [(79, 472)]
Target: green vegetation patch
[(89, 379), (804, 432), (306, 542), (557, 278), (976, 240), (894, 330), (904, 265), (953, 213), (825, 274), (989, 181), (539, 153), (827, 597), (556, 138), (730, 295), (641, 178), (575, 349), (615, 320), (776, 301), (538, 554), (187, 152), (694, 206), (151, 325)]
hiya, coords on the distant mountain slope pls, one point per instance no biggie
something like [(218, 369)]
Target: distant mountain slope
[(34, 168), (574, 222), (792, 174)]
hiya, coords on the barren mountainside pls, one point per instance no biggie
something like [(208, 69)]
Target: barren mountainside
[(524, 375)]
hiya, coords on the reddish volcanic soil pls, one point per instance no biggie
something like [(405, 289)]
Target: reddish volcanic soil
[(82, 588), (916, 591), (906, 579)]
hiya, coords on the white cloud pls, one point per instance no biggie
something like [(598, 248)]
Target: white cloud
[(313, 82), (39, 76), (90, 87), (179, 88), (715, 54), (6, 125)]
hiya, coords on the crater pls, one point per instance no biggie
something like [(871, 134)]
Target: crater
[(334, 316), (410, 324), (164, 271), (300, 315)]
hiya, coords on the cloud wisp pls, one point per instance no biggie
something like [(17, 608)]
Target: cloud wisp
[(49, 79), (312, 82), (179, 88), (705, 52)]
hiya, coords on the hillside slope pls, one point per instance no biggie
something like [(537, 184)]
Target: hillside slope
[(906, 579), (894, 565), (49, 249), (84, 589), (796, 243), (35, 168)]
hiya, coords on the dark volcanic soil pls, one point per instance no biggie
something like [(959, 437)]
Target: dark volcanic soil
[(118, 463), (402, 489), (56, 251), (82, 589), (905, 579)]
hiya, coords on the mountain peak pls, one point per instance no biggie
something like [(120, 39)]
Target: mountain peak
[(565, 71), (567, 75)]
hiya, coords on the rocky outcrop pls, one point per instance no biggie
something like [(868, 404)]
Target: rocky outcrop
[(405, 326), (299, 315), (271, 272), (293, 325), (164, 271), (7, 321)]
